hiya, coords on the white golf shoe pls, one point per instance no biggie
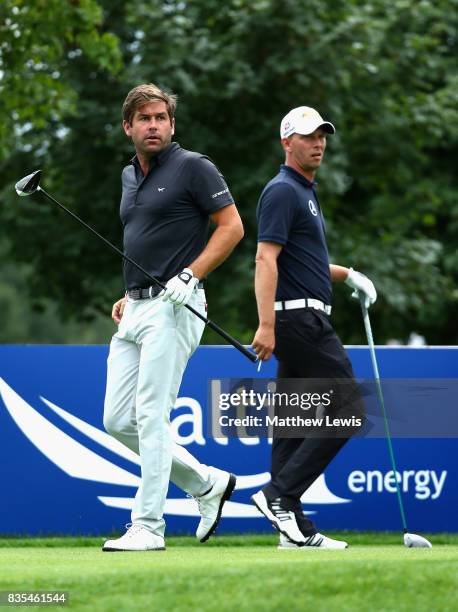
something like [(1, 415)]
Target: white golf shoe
[(137, 537), (211, 504), (283, 520), (315, 541)]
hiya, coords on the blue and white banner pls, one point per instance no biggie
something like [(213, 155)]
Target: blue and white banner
[(62, 474)]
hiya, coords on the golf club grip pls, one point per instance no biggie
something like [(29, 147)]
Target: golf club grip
[(251, 356), (370, 337), (235, 343)]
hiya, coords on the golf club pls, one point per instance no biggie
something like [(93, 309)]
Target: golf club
[(31, 184), (411, 540)]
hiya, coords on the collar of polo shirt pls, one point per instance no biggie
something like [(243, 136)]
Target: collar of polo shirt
[(159, 158)]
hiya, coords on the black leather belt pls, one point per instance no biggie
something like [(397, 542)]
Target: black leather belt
[(146, 293)]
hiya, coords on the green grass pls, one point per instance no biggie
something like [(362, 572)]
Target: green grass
[(238, 573)]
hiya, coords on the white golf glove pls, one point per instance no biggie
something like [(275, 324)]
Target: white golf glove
[(179, 289), (359, 282)]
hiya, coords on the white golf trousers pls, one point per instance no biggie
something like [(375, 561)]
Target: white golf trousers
[(148, 355)]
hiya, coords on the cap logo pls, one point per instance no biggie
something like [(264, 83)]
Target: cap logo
[(312, 207)]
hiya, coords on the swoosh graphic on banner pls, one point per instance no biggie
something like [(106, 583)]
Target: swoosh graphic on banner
[(80, 462), (250, 481), (319, 493), (72, 457), (188, 507), (95, 434)]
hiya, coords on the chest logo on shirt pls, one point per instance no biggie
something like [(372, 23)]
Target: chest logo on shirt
[(313, 208), (160, 188)]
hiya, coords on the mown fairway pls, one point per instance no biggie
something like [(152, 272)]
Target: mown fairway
[(238, 573)]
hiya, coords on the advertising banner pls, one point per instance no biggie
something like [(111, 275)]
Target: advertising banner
[(61, 473)]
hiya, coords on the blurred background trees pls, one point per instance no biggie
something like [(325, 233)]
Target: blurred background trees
[(387, 79)]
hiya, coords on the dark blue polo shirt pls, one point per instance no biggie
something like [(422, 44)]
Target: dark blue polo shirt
[(289, 214), (165, 214)]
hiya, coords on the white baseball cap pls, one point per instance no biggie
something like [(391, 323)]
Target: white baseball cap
[(303, 120)]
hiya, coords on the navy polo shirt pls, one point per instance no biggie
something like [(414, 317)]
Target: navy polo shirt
[(165, 214), (289, 214)]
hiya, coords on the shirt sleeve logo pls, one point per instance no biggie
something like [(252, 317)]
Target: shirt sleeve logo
[(218, 193), (313, 208)]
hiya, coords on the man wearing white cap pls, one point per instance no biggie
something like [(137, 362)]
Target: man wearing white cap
[(293, 286)]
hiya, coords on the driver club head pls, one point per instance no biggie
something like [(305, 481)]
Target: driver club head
[(29, 184), (411, 540)]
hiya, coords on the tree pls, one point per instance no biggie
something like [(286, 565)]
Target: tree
[(39, 42), (43, 43), (389, 83)]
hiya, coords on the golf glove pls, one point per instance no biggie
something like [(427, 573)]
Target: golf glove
[(359, 282), (180, 288)]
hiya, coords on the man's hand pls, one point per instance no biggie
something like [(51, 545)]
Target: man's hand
[(359, 282), (264, 342), (179, 288), (118, 310)]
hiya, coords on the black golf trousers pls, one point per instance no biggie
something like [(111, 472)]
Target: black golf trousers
[(307, 347)]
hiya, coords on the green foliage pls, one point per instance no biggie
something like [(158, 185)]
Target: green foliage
[(40, 39), (43, 324), (388, 80)]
